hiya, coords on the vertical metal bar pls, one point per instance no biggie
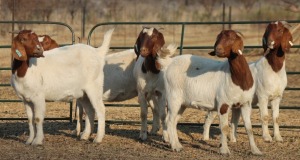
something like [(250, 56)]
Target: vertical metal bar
[(181, 41), (229, 17), (83, 19), (12, 28), (71, 110), (223, 16)]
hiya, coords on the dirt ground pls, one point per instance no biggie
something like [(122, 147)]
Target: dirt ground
[(121, 140)]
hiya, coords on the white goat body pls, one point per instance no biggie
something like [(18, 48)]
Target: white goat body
[(119, 82), (193, 81), (66, 73)]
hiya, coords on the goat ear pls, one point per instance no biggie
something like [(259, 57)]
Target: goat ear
[(287, 41), (212, 53), (18, 50), (238, 45), (158, 44)]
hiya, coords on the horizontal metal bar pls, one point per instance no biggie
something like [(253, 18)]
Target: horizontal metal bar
[(14, 119), (122, 105), (292, 89), (137, 105), (281, 107), (191, 23), (126, 122), (5, 85), (9, 100), (292, 72), (6, 68), (9, 46), (196, 47)]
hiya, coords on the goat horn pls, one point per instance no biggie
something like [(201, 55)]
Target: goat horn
[(238, 32), (145, 27), (286, 24)]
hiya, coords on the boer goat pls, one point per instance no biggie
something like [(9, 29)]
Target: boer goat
[(270, 79), (150, 84), (63, 74), (196, 82)]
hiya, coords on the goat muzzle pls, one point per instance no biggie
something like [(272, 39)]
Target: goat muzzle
[(144, 52)]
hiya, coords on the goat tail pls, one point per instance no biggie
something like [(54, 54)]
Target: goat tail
[(165, 54), (106, 41)]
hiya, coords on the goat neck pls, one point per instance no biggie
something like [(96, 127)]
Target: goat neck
[(276, 58), (150, 65), (240, 71)]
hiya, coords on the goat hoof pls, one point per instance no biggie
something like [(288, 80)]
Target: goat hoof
[(75, 133), (278, 138), (177, 148), (29, 141), (36, 142), (143, 136), (257, 153), (84, 136), (97, 140), (267, 138), (153, 132), (224, 151), (205, 138)]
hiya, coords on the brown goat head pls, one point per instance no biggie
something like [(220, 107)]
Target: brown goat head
[(47, 42), (277, 34), (149, 42), (26, 45), (228, 42)]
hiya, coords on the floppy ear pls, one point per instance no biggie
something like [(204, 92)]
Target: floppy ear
[(238, 45), (160, 41), (287, 40), (137, 46), (18, 50)]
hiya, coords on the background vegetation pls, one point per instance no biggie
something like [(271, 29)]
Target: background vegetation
[(97, 11)]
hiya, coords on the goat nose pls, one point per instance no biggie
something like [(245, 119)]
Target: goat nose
[(144, 50), (219, 49)]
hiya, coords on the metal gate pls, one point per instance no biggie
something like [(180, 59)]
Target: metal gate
[(181, 48)]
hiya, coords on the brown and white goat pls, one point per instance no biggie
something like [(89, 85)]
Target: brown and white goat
[(63, 74), (271, 75), (150, 85), (197, 82), (270, 80)]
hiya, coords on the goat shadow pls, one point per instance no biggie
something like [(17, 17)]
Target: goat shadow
[(155, 140), (124, 78), (199, 66), (14, 130)]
